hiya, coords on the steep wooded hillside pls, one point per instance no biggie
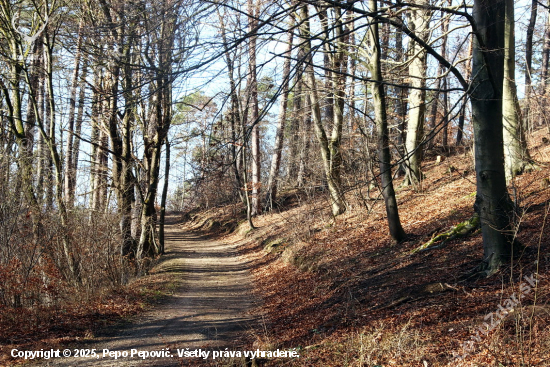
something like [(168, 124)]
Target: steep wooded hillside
[(342, 293)]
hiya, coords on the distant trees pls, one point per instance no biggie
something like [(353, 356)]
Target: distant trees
[(87, 102)]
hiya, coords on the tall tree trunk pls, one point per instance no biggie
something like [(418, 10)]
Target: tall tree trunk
[(96, 111), (162, 213), (515, 148), (279, 135), (49, 128), (328, 49), (419, 20), (445, 140), (445, 122), (339, 65), (57, 167), (41, 116), (545, 76), (329, 149), (546, 55), (529, 62), (253, 12), (441, 83), (78, 130), (492, 200), (245, 179), (158, 127), (401, 102), (462, 116), (304, 148), (379, 100), (235, 116), (69, 152), (295, 122)]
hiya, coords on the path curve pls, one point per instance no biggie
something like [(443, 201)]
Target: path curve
[(211, 310)]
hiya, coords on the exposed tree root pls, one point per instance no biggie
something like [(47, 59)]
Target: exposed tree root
[(417, 293), (460, 230)]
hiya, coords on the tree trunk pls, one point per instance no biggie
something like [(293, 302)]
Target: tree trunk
[(69, 149), (492, 200), (253, 11), (245, 179), (546, 56), (162, 213), (235, 115), (49, 127), (419, 21), (545, 80), (401, 104), (296, 121), (445, 122), (433, 112), (279, 136), (515, 148), (339, 65), (528, 62), (304, 148), (158, 127), (379, 100), (78, 130), (57, 168), (329, 150), (462, 116)]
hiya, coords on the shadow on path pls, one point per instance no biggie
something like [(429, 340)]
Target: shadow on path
[(209, 311)]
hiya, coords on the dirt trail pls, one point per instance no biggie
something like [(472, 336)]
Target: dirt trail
[(210, 310)]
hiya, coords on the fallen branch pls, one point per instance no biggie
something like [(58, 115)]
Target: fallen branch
[(460, 230)]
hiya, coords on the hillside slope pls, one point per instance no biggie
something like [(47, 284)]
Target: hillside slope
[(339, 291)]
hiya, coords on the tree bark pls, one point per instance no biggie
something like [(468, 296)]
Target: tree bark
[(296, 122), (379, 100), (419, 20), (515, 148), (492, 200), (69, 149), (255, 116), (279, 135), (305, 146), (529, 62), (545, 80), (546, 55), (329, 149), (462, 116), (162, 214), (235, 115), (78, 129)]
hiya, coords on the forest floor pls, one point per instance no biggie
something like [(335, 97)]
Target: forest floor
[(342, 294), (337, 290), (209, 308)]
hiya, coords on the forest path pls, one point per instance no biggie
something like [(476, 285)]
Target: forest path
[(210, 310)]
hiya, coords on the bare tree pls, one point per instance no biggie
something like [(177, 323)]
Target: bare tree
[(379, 100), (330, 149), (253, 14), (281, 122), (515, 147), (419, 20)]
